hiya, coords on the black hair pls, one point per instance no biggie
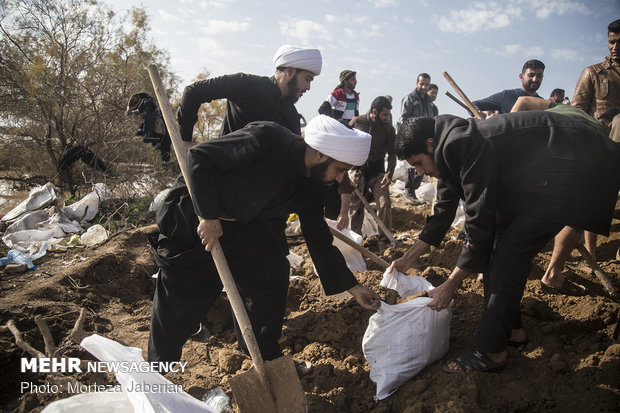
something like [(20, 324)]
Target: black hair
[(433, 86), (424, 75), (412, 136), (533, 64), (380, 103), (557, 91), (614, 27)]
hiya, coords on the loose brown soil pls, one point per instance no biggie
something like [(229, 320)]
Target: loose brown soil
[(568, 365)]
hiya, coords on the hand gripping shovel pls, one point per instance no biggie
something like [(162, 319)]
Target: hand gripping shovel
[(269, 387)]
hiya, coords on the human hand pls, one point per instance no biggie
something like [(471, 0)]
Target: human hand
[(401, 265), (342, 222), (209, 231), (386, 181), (365, 297)]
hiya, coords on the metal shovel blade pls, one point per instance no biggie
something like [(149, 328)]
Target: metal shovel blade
[(252, 397)]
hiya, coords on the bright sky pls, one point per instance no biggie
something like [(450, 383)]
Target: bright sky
[(481, 44)]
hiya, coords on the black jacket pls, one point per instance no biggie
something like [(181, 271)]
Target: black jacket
[(258, 171), (540, 164), (250, 98)]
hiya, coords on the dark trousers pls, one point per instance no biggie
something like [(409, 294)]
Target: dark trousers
[(413, 181), (188, 284), (518, 239)]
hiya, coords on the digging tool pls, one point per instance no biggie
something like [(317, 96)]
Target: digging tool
[(597, 270), (271, 386), (372, 212), (374, 258), (454, 98), (456, 87)]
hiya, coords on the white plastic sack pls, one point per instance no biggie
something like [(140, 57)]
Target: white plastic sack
[(39, 197), (369, 225), (459, 217), (401, 170), (354, 259), (404, 338), (158, 201), (94, 235), (294, 260), (86, 208), (426, 192), (94, 402), (140, 402)]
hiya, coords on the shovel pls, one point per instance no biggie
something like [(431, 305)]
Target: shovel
[(268, 387)]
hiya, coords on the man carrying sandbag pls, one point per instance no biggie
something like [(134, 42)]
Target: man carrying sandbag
[(239, 182), (523, 176)]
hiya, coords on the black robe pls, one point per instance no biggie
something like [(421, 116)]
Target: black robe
[(540, 164)]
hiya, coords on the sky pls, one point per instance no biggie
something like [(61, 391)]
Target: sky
[(481, 44)]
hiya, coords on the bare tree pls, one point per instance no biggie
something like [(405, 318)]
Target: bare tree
[(67, 68)]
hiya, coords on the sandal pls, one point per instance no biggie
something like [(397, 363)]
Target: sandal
[(567, 288), (302, 367), (474, 362)]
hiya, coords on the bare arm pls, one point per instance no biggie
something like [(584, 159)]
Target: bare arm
[(524, 103)]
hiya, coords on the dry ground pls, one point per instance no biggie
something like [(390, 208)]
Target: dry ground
[(568, 365)]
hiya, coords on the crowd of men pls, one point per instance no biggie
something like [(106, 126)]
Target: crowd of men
[(533, 170)]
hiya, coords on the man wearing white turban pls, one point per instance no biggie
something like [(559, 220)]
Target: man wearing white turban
[(251, 97), (239, 183)]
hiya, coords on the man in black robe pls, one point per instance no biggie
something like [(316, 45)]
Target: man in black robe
[(522, 176), (240, 182)]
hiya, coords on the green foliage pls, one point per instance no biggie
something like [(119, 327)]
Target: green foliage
[(67, 70), (119, 214)]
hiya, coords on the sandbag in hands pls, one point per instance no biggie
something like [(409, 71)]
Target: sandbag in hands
[(404, 338)]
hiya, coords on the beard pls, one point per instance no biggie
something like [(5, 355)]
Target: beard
[(531, 86), (317, 173), (293, 88)]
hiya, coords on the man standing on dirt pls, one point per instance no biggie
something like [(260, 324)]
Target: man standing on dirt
[(531, 78), (597, 90), (251, 97), (240, 182), (511, 171), (342, 104), (372, 176), (417, 104)]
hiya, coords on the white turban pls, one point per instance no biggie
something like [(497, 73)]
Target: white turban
[(298, 58), (332, 138)]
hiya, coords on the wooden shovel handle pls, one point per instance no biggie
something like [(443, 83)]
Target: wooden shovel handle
[(456, 87), (376, 259), (597, 270), (454, 98), (218, 255), (372, 212)]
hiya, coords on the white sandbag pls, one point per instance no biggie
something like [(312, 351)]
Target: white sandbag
[(369, 225), (404, 338), (400, 171), (426, 192), (86, 208), (39, 197), (140, 402), (158, 201), (294, 260), (459, 217), (354, 259), (94, 402), (94, 235)]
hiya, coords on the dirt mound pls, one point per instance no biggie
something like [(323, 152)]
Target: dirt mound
[(568, 364)]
